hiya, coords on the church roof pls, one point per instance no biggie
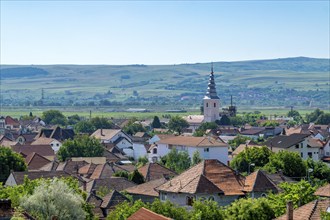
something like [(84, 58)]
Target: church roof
[(211, 90)]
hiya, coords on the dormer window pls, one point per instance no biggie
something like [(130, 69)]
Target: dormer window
[(215, 105)]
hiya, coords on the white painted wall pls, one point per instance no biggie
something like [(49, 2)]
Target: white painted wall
[(139, 150), (211, 113), (10, 181)]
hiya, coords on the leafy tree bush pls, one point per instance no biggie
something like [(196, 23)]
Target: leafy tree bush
[(320, 170), (125, 210), (169, 209), (238, 141), (142, 161), (207, 210), (73, 119), (196, 158), (250, 209), (54, 117), (177, 161), (84, 127), (156, 123), (290, 163), (270, 124), (177, 124), (133, 127), (299, 193), (203, 127), (10, 160), (54, 199), (224, 120), (313, 116), (121, 173), (255, 155), (99, 123), (80, 146), (323, 119)]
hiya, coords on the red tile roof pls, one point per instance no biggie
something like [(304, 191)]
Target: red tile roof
[(193, 141), (147, 189), (35, 161), (146, 214), (153, 171), (259, 182), (323, 191)]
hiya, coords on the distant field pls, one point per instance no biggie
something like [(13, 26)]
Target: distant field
[(84, 112)]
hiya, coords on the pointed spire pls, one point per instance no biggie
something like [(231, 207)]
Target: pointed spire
[(211, 90)]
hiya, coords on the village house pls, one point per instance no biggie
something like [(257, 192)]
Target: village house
[(116, 137), (303, 144), (208, 147), (213, 180)]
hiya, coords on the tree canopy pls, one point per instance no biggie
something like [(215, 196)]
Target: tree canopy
[(177, 124), (81, 146), (54, 199), (178, 161), (238, 141), (133, 127), (290, 163), (200, 131), (196, 158), (84, 127), (54, 117), (10, 160), (251, 155), (156, 123), (100, 122)]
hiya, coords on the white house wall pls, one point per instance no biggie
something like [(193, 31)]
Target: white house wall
[(139, 150)]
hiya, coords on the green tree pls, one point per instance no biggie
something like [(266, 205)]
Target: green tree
[(133, 127), (207, 209), (54, 117), (125, 210), (270, 124), (54, 199), (251, 155), (169, 209), (142, 161), (200, 131), (290, 163), (177, 124), (299, 193), (238, 141), (320, 170), (156, 123), (293, 113), (313, 116), (196, 158), (323, 119), (99, 123), (250, 209), (84, 127), (121, 173), (236, 121), (224, 120), (136, 177), (73, 119), (10, 160), (177, 161), (80, 146)]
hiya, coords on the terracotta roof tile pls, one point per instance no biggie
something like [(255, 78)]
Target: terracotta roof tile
[(112, 183), (35, 161), (310, 211), (153, 171), (147, 189), (112, 199), (106, 133), (193, 141), (43, 141), (43, 150), (259, 182), (19, 176), (323, 191), (146, 214)]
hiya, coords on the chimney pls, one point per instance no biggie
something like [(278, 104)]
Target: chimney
[(289, 210)]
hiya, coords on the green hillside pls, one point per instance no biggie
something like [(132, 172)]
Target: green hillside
[(300, 82)]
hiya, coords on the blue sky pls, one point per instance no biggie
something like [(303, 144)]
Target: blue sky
[(161, 32)]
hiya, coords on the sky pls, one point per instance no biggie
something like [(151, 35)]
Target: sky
[(161, 32)]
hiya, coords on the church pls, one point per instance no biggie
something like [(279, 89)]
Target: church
[(211, 106)]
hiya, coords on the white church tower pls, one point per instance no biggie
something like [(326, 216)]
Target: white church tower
[(211, 101)]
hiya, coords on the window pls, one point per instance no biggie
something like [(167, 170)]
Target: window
[(207, 104), (154, 159), (264, 195), (163, 196), (189, 200), (302, 154), (154, 151), (57, 144), (215, 105), (297, 145), (206, 149), (310, 154), (301, 145)]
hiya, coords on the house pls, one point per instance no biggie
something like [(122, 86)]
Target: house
[(261, 132), (194, 121), (208, 147), (153, 171), (144, 213), (114, 155), (210, 179), (242, 147), (117, 137), (17, 178), (107, 170), (300, 143), (58, 133), (112, 183), (309, 211), (258, 184), (24, 138), (54, 143), (102, 206), (42, 150), (11, 123), (146, 191), (70, 166), (140, 146), (6, 141), (278, 178), (35, 161)]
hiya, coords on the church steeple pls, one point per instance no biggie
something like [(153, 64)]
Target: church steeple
[(211, 90), (211, 101)]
